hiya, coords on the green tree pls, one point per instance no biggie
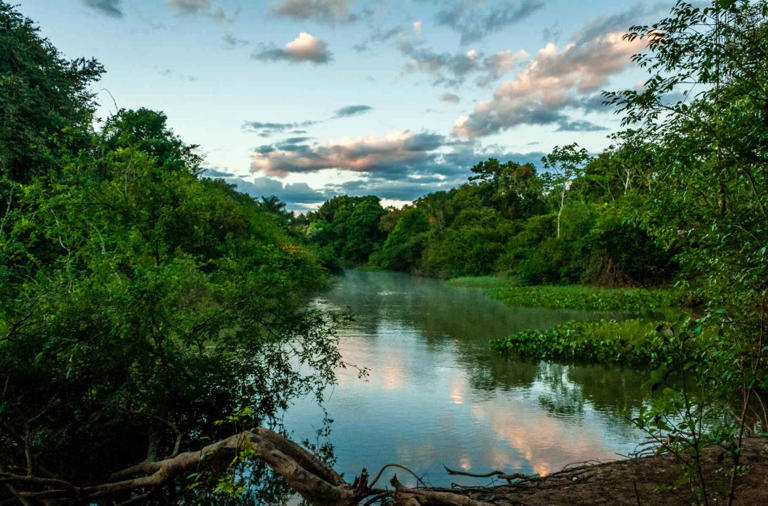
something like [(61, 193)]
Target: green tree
[(514, 189), (402, 249), (45, 103), (705, 103), (563, 165), (348, 227)]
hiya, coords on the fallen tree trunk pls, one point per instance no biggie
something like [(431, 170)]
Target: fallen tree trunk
[(303, 471), (633, 481)]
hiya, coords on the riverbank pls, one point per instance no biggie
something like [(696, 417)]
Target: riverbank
[(639, 481)]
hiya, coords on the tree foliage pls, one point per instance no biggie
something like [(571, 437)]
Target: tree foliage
[(45, 100), (142, 309)]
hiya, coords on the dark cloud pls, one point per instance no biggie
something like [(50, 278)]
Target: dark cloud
[(329, 12), (231, 41), (203, 7), (108, 7), (579, 126), (594, 103), (423, 158), (352, 110), (450, 97), (475, 20), (452, 69), (620, 21), (297, 195), (266, 129), (305, 48), (172, 74), (396, 152), (216, 174), (379, 36), (552, 33), (438, 174)]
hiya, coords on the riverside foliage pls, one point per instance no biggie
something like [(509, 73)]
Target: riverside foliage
[(140, 305), (145, 310)]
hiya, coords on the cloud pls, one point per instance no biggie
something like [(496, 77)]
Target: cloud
[(295, 195), (475, 20), (200, 7), (213, 173), (108, 7), (450, 97), (579, 126), (352, 110), (329, 12), (266, 129), (398, 166), (232, 42), (305, 48), (398, 156), (439, 172), (619, 22), (394, 152), (554, 80), (453, 69), (172, 74)]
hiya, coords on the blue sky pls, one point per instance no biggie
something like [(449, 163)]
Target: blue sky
[(306, 99)]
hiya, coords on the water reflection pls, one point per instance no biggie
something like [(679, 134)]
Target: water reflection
[(437, 394)]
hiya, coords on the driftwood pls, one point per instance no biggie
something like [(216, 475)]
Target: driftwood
[(303, 471)]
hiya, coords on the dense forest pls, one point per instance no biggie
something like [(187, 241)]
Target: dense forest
[(578, 221), (147, 311)]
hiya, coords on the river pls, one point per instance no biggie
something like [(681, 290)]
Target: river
[(437, 395)]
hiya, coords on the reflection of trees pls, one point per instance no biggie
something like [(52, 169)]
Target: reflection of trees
[(465, 320), (613, 390)]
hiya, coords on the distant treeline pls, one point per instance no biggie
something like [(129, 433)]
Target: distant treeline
[(577, 221)]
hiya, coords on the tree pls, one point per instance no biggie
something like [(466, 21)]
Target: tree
[(705, 104), (515, 189), (144, 310), (45, 103), (402, 248), (349, 227), (564, 164)]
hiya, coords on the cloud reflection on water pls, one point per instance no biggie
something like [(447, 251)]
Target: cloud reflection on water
[(437, 396)]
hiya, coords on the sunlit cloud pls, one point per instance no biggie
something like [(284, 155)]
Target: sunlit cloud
[(554, 80), (361, 154), (305, 48)]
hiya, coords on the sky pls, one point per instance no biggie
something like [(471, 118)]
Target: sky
[(307, 99)]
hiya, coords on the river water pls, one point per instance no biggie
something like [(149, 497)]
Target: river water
[(437, 395)]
